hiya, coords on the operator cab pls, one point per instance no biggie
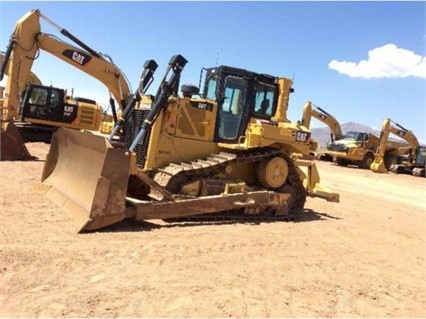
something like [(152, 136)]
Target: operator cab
[(357, 136), (46, 103), (240, 95)]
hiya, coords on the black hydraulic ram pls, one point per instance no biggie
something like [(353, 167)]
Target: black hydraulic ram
[(7, 56), (145, 81), (322, 110), (165, 90), (70, 36), (401, 127)]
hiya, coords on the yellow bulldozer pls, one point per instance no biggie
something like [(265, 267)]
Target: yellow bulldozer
[(31, 111), (226, 150)]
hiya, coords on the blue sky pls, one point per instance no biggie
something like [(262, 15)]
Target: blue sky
[(360, 61)]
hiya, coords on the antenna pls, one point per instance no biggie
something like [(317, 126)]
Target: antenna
[(217, 58)]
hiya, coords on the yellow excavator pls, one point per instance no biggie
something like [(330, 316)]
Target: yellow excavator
[(39, 106), (30, 107), (226, 150), (310, 110), (402, 159)]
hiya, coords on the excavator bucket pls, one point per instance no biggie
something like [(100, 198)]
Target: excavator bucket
[(87, 178), (378, 166), (12, 145)]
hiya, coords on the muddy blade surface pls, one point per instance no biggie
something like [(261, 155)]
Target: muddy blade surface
[(12, 145), (87, 178)]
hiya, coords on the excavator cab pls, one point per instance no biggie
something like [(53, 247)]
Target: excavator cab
[(42, 109), (43, 103), (50, 105)]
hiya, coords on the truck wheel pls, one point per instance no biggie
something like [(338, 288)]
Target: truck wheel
[(341, 162), (326, 158), (367, 161)]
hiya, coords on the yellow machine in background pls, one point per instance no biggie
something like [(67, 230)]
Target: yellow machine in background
[(225, 152), (359, 149), (37, 108), (326, 118), (388, 158)]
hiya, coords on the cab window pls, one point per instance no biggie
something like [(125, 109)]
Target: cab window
[(38, 103), (265, 97), (211, 88), (39, 96)]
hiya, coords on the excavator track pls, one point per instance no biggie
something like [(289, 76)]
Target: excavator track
[(174, 175)]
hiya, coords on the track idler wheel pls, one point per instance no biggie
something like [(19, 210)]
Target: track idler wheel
[(273, 172)]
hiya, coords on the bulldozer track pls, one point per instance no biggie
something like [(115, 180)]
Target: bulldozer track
[(173, 175)]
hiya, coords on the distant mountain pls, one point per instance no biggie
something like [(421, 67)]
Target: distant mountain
[(322, 134), (352, 126)]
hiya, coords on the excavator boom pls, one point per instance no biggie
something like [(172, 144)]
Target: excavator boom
[(310, 110), (321, 115)]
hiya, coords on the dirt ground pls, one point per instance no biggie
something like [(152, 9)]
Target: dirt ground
[(364, 257)]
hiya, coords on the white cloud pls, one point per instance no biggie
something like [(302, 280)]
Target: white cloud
[(387, 61)]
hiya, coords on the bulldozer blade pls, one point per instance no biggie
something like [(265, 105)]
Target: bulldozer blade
[(87, 178), (12, 145)]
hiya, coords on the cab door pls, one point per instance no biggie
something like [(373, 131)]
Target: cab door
[(232, 109)]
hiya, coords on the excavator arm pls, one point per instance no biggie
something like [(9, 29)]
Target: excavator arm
[(388, 127), (32, 78), (323, 116), (25, 44)]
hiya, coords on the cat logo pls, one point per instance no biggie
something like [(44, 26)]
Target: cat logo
[(68, 110), (79, 57), (202, 105)]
